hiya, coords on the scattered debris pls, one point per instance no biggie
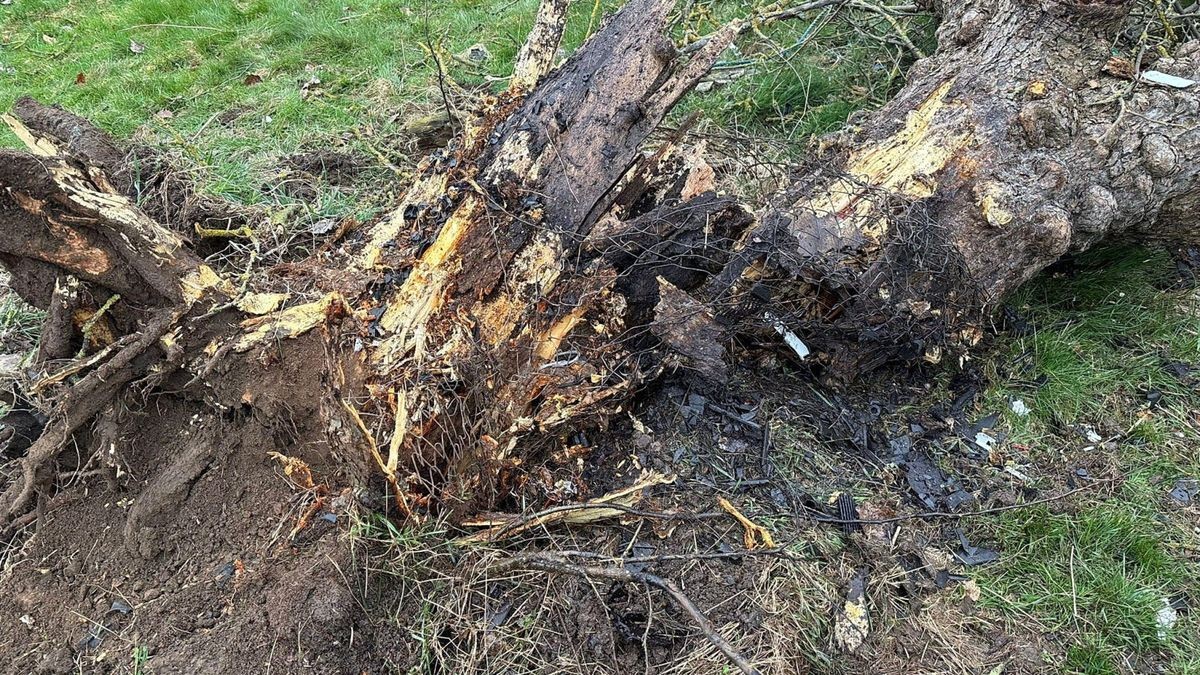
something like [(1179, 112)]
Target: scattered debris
[(137, 47), (611, 505), (985, 441), (753, 532), (847, 512), (974, 555), (971, 588), (475, 55), (1185, 491), (1166, 617), (789, 337), (1161, 78)]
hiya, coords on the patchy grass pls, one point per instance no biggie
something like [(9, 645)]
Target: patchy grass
[(1100, 357), (186, 73), (19, 323), (231, 87)]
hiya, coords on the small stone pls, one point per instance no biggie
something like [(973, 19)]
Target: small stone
[(151, 595)]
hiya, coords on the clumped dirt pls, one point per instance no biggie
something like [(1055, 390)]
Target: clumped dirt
[(176, 539), (179, 542), (303, 172)]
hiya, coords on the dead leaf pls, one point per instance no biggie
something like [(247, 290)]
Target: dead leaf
[(972, 589), (136, 47), (49, 39), (80, 78), (252, 79), (309, 88), (164, 114), (1119, 67)]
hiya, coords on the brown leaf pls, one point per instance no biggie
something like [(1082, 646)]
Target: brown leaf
[(80, 78), (1118, 67), (136, 47), (164, 114), (252, 79)]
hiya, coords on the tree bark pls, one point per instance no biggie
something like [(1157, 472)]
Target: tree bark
[(1009, 147), (543, 268)]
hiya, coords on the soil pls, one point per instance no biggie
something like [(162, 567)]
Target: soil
[(303, 172), (182, 546)]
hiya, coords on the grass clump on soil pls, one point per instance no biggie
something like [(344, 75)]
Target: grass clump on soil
[(19, 323), (1105, 362)]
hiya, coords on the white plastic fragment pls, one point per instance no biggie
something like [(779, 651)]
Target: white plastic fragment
[(985, 441), (1019, 407), (1161, 78), (789, 337), (1166, 618)]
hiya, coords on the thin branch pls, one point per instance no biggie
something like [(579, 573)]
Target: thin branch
[(546, 562)]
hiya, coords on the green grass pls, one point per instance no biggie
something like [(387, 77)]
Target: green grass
[(19, 324), (1106, 330), (186, 90), (370, 57), (1095, 574)]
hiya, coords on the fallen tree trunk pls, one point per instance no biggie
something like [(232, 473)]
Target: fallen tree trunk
[(1016, 143), (542, 268)]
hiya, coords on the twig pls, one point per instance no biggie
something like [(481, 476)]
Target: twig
[(521, 523), (437, 62), (553, 563), (90, 324), (176, 25), (672, 557)]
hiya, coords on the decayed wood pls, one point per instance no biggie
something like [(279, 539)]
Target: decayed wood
[(502, 327)]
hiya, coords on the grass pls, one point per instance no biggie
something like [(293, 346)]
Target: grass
[(327, 69), (175, 72), (1097, 574), (19, 324)]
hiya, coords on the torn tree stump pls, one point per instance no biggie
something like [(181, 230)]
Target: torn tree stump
[(544, 267)]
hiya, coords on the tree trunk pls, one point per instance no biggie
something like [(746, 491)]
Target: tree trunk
[(543, 268), (1010, 147)]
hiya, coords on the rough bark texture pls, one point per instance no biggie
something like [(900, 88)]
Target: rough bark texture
[(1008, 148)]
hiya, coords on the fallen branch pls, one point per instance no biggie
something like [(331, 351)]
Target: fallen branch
[(546, 562)]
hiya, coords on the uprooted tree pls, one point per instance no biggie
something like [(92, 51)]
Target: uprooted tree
[(544, 267)]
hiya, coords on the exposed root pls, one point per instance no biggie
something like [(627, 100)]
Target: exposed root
[(92, 394)]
